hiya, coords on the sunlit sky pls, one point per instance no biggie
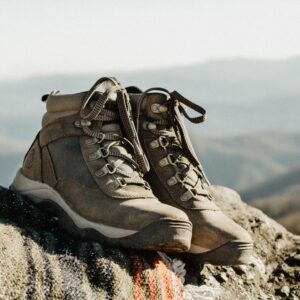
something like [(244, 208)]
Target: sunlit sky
[(51, 36)]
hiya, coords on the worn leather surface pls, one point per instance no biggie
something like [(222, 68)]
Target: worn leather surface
[(158, 175), (211, 228), (59, 129), (62, 160), (94, 205), (32, 164), (48, 171), (68, 161)]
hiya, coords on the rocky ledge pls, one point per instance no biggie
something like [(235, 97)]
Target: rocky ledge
[(39, 261), (274, 272)]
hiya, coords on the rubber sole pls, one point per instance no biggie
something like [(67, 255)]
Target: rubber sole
[(170, 235), (232, 253)]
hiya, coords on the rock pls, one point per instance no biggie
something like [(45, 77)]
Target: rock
[(274, 265), (37, 256), (293, 260), (222, 277), (285, 290)]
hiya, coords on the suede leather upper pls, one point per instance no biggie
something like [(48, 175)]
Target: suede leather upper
[(61, 157), (211, 228)]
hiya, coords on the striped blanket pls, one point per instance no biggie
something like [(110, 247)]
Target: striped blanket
[(40, 261)]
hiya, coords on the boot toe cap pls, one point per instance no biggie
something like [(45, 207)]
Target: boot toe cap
[(213, 229)]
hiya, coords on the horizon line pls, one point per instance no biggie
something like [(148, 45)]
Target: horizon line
[(154, 68)]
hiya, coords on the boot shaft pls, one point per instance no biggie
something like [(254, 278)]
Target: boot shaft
[(84, 137), (176, 175)]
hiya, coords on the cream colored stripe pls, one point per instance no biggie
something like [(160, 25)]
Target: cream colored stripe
[(13, 266), (57, 282), (40, 275), (124, 282)]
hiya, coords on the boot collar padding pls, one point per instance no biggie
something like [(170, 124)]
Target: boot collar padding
[(59, 106), (64, 103)]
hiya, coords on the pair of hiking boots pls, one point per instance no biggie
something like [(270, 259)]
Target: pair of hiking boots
[(117, 165)]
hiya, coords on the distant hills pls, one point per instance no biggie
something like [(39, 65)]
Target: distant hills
[(244, 161), (241, 96), (279, 197)]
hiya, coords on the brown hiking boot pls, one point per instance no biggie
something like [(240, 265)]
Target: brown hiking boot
[(177, 178), (86, 165)]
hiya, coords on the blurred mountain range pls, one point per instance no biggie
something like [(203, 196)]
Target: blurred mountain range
[(250, 142), (279, 197), (241, 96)]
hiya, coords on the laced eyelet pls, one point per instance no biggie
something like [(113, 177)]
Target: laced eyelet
[(180, 177), (101, 137), (100, 153), (106, 169), (163, 141), (111, 169), (171, 159), (189, 194), (181, 166), (121, 182), (103, 152)]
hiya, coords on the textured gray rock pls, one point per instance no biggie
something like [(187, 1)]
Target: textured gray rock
[(274, 272)]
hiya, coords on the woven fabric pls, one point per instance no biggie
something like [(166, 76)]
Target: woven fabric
[(38, 260)]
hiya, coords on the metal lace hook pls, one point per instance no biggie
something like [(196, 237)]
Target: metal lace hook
[(141, 98)]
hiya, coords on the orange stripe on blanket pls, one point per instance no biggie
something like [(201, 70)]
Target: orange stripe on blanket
[(153, 285), (167, 281), (138, 280)]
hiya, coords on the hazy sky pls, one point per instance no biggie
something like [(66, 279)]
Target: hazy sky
[(50, 36)]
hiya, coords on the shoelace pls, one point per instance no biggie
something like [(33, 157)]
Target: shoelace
[(178, 146), (99, 112)]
